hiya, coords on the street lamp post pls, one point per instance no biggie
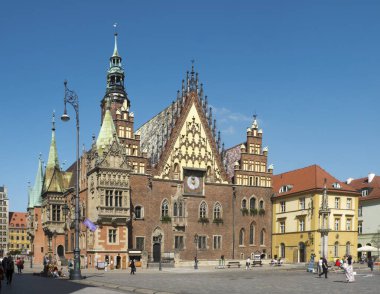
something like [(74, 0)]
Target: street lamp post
[(159, 262), (196, 238), (72, 98)]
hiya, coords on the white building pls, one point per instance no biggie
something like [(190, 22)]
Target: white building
[(369, 207)]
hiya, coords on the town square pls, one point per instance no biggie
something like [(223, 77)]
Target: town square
[(190, 147)]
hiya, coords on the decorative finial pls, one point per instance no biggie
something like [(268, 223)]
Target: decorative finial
[(40, 156), (53, 121), (255, 125), (115, 53), (192, 67)]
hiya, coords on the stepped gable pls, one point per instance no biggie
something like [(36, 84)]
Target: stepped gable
[(307, 179), (373, 187)]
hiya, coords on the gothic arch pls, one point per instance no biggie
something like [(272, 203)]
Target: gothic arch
[(203, 209)]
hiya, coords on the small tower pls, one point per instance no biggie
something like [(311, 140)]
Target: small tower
[(252, 169)]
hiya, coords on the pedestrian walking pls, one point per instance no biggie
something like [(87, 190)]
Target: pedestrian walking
[(370, 263), (324, 267), (10, 268), (133, 267), (247, 263), (348, 270), (320, 261)]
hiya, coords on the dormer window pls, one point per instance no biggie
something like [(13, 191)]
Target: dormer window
[(336, 185), (365, 192), (285, 188)]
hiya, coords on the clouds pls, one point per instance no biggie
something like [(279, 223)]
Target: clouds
[(226, 115)]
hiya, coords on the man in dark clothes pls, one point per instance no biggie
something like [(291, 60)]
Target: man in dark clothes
[(324, 267)]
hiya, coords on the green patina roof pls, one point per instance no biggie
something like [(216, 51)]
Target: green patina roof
[(35, 192), (107, 132), (53, 181)]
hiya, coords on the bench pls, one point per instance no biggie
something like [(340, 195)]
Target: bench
[(233, 264)]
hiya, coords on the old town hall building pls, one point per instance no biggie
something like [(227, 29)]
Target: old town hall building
[(167, 189)]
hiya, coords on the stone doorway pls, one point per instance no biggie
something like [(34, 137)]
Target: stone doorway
[(156, 252)]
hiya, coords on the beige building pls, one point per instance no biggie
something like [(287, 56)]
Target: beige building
[(18, 232), (299, 211)]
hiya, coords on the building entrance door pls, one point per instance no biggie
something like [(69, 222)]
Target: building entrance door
[(302, 252), (156, 252), (60, 251)]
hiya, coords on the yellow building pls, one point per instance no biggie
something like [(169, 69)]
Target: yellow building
[(18, 237), (299, 211)]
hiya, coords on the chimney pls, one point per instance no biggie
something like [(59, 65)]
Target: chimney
[(371, 176)]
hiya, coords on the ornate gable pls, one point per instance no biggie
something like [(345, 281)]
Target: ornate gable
[(191, 146)]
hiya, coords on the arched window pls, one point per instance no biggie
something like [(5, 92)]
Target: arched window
[(252, 203), (138, 212), (217, 211), (180, 209), (241, 237), (244, 203), (262, 237), (203, 210), (261, 204), (252, 234), (165, 208), (175, 209), (282, 250), (336, 249), (348, 248)]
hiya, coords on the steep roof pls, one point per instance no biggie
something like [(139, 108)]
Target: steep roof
[(107, 132), (35, 192), (373, 187), (155, 132), (307, 179), (17, 219), (232, 155), (53, 180)]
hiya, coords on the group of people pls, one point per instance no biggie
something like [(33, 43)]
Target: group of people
[(51, 268), (345, 264)]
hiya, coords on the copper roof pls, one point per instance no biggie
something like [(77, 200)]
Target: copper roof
[(307, 179), (373, 187)]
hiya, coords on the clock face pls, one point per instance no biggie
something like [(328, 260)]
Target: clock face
[(193, 182)]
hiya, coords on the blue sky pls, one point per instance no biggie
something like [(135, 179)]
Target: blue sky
[(309, 69)]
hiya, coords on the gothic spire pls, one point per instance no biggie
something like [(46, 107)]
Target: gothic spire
[(53, 156), (115, 53), (107, 131), (35, 198), (53, 180)]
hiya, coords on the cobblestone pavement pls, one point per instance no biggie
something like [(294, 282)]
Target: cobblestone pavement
[(287, 279), (257, 280)]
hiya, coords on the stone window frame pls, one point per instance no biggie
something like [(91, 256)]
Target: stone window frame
[(116, 242), (203, 209), (252, 233), (164, 210), (262, 237), (143, 238), (244, 199), (255, 202), (179, 237), (217, 214), (219, 242), (141, 207), (241, 237)]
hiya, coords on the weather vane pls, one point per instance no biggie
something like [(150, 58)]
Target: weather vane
[(115, 27)]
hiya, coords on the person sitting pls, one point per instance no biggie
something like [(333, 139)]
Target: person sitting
[(337, 263), (55, 273)]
